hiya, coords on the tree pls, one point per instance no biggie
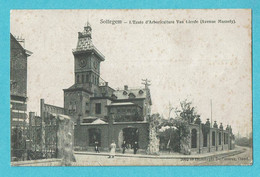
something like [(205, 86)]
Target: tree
[(184, 116), (187, 112)]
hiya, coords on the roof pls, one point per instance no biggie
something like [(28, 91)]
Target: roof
[(122, 104), (85, 43), (26, 52), (60, 116), (80, 87), (124, 94), (98, 121), (93, 120)]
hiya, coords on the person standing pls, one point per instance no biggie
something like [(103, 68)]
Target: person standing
[(112, 149), (135, 146), (124, 146)]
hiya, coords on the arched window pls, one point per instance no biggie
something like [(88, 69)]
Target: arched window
[(94, 136), (219, 138), (225, 138), (213, 138), (205, 139), (194, 138)]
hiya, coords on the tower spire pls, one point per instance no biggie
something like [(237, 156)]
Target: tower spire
[(87, 30)]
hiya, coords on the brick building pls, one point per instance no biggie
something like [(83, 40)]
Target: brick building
[(100, 112), (18, 80), (18, 94)]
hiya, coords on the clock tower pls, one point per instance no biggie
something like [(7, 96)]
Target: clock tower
[(87, 59)]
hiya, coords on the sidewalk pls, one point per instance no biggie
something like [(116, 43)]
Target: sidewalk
[(217, 154)]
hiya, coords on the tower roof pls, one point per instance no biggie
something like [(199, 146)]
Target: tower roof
[(85, 43)]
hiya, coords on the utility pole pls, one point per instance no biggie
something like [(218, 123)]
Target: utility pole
[(211, 113), (146, 82)]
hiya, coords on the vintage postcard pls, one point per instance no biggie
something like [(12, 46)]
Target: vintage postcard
[(131, 87)]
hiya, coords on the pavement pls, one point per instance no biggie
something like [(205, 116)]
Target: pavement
[(221, 154)]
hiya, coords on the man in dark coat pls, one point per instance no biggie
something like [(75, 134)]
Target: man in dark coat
[(135, 146), (124, 146)]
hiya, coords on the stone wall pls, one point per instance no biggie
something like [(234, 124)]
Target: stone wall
[(219, 144)]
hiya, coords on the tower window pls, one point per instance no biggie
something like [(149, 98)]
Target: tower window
[(77, 78), (87, 107), (82, 78), (87, 78), (98, 108)]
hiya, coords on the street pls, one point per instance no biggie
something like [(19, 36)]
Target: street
[(244, 158)]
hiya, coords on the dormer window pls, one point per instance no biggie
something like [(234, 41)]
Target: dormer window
[(131, 95), (125, 93), (141, 91), (114, 96)]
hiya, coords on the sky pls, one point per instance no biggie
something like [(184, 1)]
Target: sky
[(195, 61)]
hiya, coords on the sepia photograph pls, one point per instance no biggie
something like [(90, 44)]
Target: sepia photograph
[(162, 87)]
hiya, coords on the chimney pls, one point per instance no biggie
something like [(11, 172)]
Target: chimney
[(125, 87)]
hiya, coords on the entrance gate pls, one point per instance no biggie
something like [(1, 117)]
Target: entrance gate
[(130, 135)]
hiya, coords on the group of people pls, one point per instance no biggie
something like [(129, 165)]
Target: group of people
[(112, 147), (134, 146), (124, 146)]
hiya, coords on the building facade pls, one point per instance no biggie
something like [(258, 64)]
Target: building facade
[(205, 138), (18, 95), (18, 80), (101, 113)]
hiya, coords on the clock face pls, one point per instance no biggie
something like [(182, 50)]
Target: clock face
[(82, 63)]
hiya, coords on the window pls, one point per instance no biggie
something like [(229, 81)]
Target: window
[(77, 78), (219, 138), (98, 108), (141, 92), (87, 78), (225, 138), (87, 107), (194, 138), (205, 139), (131, 95), (213, 138), (82, 78)]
